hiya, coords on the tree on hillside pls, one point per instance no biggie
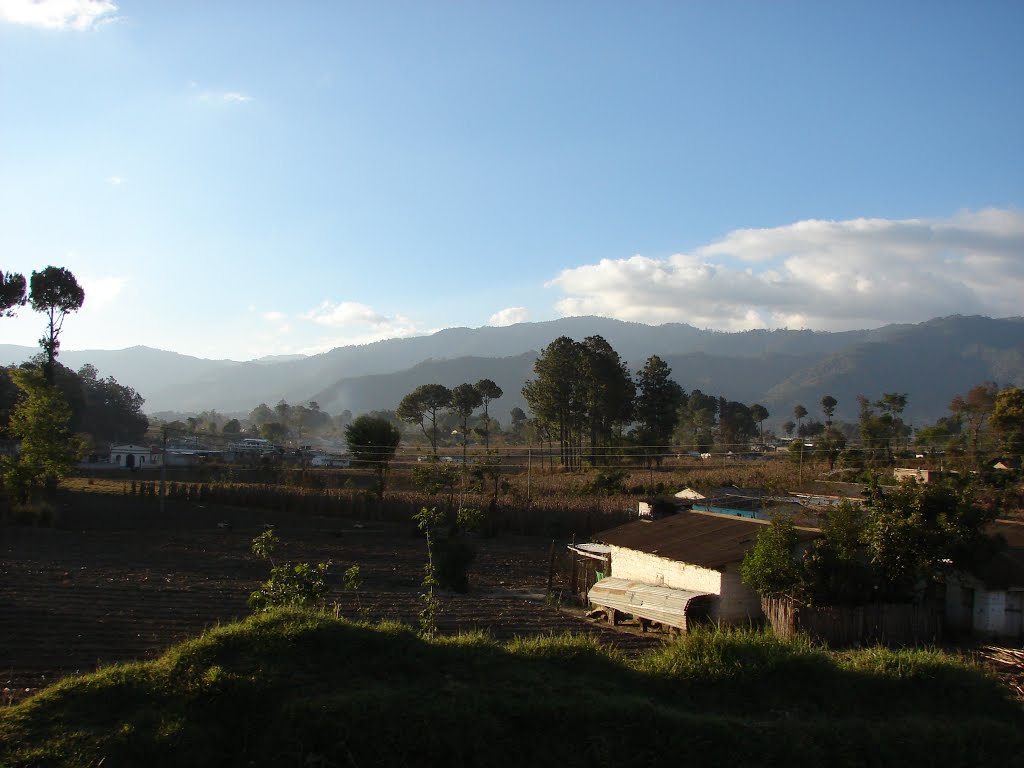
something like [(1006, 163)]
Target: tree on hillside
[(488, 391), (56, 293), (736, 426), (975, 408), (557, 397), (658, 401), (12, 292), (697, 420), (274, 431), (40, 421), (111, 412), (518, 417), (609, 392), (422, 406), (798, 413), (261, 414), (465, 399), (759, 413), (372, 442), (1008, 421), (828, 407)]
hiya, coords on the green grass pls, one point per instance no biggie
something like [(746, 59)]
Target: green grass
[(302, 688)]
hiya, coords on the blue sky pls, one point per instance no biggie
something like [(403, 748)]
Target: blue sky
[(241, 179)]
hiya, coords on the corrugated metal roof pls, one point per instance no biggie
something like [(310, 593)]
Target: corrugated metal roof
[(597, 549), (705, 539), (662, 604)]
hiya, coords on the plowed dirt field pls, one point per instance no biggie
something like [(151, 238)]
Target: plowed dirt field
[(113, 580)]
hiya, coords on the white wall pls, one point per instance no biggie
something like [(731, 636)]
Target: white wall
[(662, 572), (737, 603)]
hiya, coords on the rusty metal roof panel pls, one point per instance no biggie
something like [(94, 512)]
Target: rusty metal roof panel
[(704, 539)]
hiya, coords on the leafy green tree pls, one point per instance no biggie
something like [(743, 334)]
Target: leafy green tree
[(489, 391), (771, 567), (736, 426), (836, 570), (1008, 420), (55, 292), (261, 414), (828, 407), (40, 421), (283, 411), (422, 406), (465, 399), (372, 441), (609, 392), (798, 413), (557, 396), (759, 413), (788, 427), (274, 431), (232, 427), (917, 530), (109, 412), (12, 292), (658, 402), (879, 431), (947, 433), (975, 408), (518, 416), (697, 420)]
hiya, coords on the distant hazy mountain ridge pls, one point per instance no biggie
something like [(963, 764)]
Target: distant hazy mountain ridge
[(931, 361)]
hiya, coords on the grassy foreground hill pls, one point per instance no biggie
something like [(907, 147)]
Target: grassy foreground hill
[(309, 689)]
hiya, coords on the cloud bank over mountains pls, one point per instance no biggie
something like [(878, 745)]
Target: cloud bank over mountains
[(825, 275)]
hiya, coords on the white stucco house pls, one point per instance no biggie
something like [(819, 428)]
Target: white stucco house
[(672, 569), (131, 456)]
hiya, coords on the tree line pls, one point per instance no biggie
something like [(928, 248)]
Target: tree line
[(585, 399)]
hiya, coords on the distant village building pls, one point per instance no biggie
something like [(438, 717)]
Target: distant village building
[(330, 460), (917, 475), (131, 456)]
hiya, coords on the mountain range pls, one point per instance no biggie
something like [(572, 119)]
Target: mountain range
[(931, 361)]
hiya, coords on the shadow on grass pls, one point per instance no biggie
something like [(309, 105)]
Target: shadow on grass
[(300, 688)]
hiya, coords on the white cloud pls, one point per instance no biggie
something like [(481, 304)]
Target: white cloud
[(509, 316), (115, 180), (58, 14), (345, 313), (274, 317), (360, 323), (222, 97), (828, 275)]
